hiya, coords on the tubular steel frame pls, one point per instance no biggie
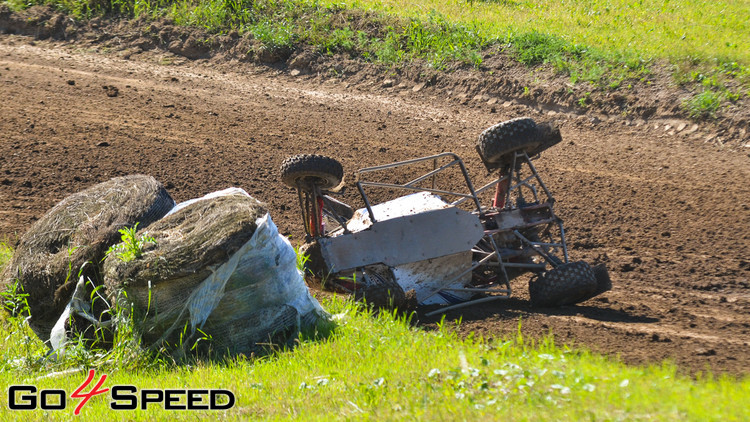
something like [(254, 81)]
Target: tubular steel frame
[(509, 180), (472, 195)]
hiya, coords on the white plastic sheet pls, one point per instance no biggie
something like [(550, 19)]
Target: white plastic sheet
[(262, 274), (257, 284), (256, 293)]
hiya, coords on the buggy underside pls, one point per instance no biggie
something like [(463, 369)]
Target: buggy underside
[(438, 241)]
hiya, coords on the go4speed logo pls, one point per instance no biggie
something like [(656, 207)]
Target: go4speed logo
[(121, 397)]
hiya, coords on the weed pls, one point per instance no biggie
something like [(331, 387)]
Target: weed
[(131, 245), (111, 339), (6, 253), (276, 38), (534, 48), (15, 300), (24, 347), (339, 40), (389, 50), (301, 260), (732, 97), (703, 105), (584, 101)]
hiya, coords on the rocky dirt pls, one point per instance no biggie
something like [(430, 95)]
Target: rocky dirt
[(662, 204)]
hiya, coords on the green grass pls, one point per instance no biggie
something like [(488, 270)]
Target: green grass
[(6, 253), (374, 367), (610, 44), (704, 105), (381, 368), (703, 29)]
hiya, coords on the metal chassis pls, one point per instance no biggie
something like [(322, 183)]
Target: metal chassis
[(316, 202)]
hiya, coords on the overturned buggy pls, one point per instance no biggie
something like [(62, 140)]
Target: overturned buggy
[(455, 253)]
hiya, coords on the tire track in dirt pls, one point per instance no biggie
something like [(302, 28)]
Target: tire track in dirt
[(650, 329)]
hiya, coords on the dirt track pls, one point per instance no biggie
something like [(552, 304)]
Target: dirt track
[(669, 214)]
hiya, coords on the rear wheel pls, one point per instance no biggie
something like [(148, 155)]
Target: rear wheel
[(305, 171), (497, 143), (565, 285)]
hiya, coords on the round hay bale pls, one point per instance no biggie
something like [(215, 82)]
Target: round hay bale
[(78, 230), (191, 244)]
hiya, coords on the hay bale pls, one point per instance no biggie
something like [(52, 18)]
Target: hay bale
[(190, 244), (78, 230), (220, 266)]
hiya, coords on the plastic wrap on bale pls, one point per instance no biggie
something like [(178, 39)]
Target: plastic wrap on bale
[(219, 271)]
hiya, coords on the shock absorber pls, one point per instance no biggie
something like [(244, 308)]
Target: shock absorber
[(501, 189)]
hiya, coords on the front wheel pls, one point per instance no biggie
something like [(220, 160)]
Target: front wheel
[(306, 171), (603, 282), (565, 285)]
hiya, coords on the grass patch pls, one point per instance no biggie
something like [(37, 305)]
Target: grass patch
[(703, 105), (6, 253), (611, 44), (581, 63), (702, 29), (722, 85), (281, 25), (381, 367)]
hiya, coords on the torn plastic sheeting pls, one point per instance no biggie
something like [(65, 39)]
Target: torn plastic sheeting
[(58, 336), (257, 292), (265, 268), (77, 306), (261, 278), (218, 193)]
